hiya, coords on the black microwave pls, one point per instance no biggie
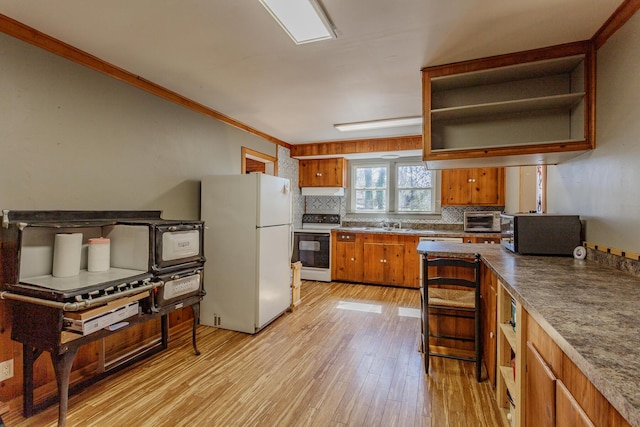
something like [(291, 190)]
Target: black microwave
[(540, 234)]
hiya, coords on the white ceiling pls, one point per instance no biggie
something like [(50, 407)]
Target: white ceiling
[(231, 56)]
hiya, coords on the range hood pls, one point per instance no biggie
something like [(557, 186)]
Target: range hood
[(322, 191)]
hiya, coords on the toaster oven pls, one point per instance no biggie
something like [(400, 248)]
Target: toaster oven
[(482, 221)]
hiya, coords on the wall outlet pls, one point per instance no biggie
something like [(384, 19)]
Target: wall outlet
[(6, 369)]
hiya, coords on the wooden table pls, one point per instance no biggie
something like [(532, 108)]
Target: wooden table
[(40, 328)]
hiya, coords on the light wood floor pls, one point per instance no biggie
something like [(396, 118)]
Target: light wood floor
[(318, 366)]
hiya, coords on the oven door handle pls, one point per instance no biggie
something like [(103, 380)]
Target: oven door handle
[(79, 305)]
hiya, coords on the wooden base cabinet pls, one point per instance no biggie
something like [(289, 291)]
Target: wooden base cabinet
[(384, 259), (574, 400), (569, 413), (546, 387), (540, 391), (344, 257)]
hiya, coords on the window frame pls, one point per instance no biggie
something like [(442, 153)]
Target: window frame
[(392, 189), (403, 162), (352, 178)]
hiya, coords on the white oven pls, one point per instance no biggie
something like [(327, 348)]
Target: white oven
[(312, 246)]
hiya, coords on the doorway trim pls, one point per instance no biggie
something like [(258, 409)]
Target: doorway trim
[(248, 153)]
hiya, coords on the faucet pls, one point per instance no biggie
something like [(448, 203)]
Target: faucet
[(399, 224)]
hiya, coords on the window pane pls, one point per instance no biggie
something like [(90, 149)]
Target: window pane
[(414, 200), (371, 177), (414, 177), (371, 200)]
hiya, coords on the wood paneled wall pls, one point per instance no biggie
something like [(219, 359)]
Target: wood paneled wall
[(356, 146)]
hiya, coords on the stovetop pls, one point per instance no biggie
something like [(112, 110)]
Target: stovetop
[(320, 222), (317, 219)]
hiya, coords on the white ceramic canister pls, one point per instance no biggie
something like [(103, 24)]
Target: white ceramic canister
[(99, 254), (67, 252)]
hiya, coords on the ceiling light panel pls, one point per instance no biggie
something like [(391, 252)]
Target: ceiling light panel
[(379, 124), (303, 20)]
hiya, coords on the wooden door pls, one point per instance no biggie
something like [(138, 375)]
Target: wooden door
[(344, 261), (373, 262), (384, 263), (322, 173), (455, 188), (488, 307), (540, 393), (568, 411), (483, 187), (487, 186), (394, 264)]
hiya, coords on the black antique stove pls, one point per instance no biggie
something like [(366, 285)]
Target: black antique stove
[(156, 267)]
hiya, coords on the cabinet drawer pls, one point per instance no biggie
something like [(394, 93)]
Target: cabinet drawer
[(346, 237)]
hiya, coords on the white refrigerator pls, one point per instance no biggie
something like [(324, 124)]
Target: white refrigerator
[(248, 237)]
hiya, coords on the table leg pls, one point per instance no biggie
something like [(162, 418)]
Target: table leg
[(164, 328), (196, 319), (29, 357), (62, 366)]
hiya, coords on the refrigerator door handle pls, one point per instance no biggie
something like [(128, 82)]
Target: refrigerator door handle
[(291, 241)]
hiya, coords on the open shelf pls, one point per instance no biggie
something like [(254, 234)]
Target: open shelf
[(529, 70), (555, 102), (507, 375), (511, 106), (509, 334)]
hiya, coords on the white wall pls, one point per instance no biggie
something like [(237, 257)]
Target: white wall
[(603, 185), (72, 138)]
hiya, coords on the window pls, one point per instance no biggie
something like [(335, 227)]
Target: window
[(371, 188), (414, 188), (396, 186)]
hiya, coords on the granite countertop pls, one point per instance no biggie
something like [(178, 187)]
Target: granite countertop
[(589, 310), (416, 232)]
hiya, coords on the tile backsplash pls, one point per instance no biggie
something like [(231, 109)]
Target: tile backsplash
[(288, 168), (338, 205)]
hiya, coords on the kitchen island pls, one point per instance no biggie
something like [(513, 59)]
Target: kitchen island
[(587, 309)]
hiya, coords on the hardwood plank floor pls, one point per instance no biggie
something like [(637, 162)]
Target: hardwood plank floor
[(344, 357)]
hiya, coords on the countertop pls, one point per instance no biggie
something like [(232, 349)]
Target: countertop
[(415, 232), (589, 310)]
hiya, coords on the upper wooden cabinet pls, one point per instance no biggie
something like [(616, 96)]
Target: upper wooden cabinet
[(323, 172), (482, 187), (533, 107)]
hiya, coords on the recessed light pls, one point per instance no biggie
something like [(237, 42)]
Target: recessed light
[(303, 20), (379, 124)]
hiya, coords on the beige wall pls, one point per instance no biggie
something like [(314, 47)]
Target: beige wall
[(72, 138), (603, 186)]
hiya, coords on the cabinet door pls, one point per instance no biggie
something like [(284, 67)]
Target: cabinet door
[(568, 411), (483, 187), (487, 186), (323, 173), (488, 307), (394, 264), (540, 394), (344, 261), (373, 263), (455, 187), (384, 263)]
